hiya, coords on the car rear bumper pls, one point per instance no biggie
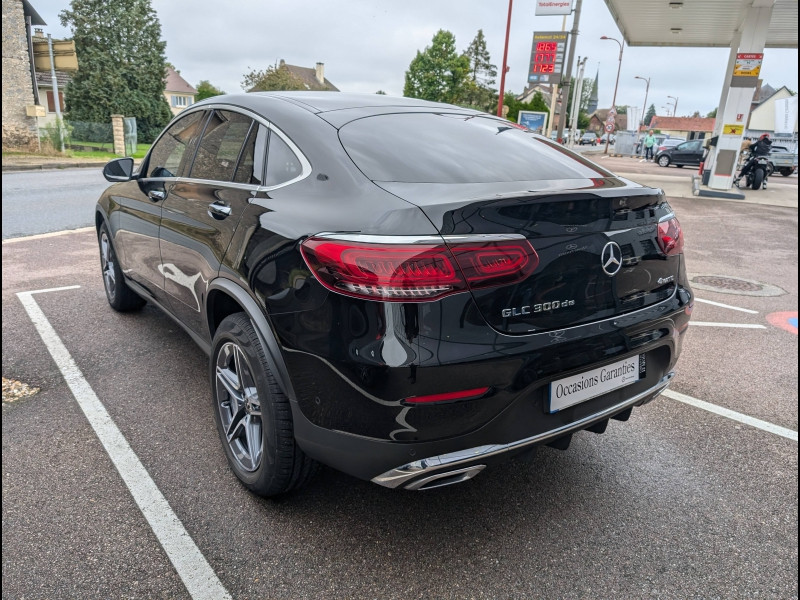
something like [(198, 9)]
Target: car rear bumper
[(455, 467), (457, 459)]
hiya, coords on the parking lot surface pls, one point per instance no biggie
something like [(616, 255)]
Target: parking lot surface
[(678, 502)]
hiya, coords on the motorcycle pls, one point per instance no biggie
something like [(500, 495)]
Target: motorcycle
[(756, 177)]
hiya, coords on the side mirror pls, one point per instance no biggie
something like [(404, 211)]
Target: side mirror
[(119, 169)]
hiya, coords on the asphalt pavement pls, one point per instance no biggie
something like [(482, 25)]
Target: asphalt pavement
[(678, 502)]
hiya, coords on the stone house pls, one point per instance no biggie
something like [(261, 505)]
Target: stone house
[(179, 93), (19, 90), (314, 79)]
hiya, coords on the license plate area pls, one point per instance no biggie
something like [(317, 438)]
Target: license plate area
[(575, 389)]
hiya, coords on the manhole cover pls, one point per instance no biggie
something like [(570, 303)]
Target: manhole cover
[(735, 285)]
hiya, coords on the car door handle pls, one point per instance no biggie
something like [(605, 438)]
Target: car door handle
[(156, 195), (219, 210)]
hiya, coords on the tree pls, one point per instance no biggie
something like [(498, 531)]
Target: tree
[(622, 110), (122, 65), (696, 113), (380, 93), (712, 114), (479, 93), (482, 71), (206, 90), (438, 73), (514, 106), (648, 116), (275, 78)]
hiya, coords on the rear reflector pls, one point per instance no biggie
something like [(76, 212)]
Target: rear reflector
[(416, 272), (447, 396)]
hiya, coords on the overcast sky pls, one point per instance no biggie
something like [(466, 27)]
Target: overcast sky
[(367, 45)]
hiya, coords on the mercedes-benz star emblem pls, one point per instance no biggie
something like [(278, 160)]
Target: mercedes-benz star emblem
[(611, 258)]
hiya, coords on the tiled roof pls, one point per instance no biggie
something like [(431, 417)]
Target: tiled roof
[(683, 123), (45, 79), (309, 76), (601, 113), (176, 83)]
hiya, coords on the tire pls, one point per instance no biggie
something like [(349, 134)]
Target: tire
[(663, 160), (786, 171), (758, 178), (121, 297), (253, 416)]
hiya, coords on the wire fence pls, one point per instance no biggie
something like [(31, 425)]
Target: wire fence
[(87, 136)]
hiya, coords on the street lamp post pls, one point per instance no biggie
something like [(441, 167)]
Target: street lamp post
[(644, 107), (505, 63), (675, 107), (616, 85)]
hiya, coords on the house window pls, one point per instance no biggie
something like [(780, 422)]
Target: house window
[(179, 101), (51, 105)]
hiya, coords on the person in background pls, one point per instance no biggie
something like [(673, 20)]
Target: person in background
[(649, 142), (760, 148)]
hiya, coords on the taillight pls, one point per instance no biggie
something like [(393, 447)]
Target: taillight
[(670, 237), (404, 272)]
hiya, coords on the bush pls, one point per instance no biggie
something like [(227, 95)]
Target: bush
[(56, 132)]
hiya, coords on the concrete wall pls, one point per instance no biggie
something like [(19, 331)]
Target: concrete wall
[(19, 130)]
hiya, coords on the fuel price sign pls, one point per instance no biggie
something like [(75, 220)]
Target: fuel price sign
[(547, 57)]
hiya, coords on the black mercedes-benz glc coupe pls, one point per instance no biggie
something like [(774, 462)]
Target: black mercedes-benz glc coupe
[(403, 290)]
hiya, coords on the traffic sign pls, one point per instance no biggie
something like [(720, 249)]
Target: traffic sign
[(609, 127)]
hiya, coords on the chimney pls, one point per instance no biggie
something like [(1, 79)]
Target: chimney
[(38, 32), (320, 73)]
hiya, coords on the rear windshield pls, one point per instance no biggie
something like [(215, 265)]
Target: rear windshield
[(456, 148)]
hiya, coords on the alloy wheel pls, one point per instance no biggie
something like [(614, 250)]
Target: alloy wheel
[(239, 406), (107, 260)]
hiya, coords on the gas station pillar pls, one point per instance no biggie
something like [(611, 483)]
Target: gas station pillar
[(740, 84)]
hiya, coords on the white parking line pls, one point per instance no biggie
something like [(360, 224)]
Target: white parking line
[(197, 575), (736, 325), (732, 414), (720, 304)]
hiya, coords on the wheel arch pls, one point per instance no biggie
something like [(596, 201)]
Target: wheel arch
[(225, 298)]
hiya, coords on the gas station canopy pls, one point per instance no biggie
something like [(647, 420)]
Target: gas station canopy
[(699, 23)]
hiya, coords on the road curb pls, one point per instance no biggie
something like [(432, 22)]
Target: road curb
[(48, 166)]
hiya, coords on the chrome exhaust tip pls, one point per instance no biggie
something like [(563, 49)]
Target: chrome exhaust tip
[(447, 478)]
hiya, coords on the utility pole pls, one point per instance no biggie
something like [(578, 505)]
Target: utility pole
[(576, 99), (505, 64), (554, 91), (566, 87), (59, 121)]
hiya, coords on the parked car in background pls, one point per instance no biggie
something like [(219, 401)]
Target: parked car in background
[(660, 138), (610, 136), (588, 139), (406, 291), (667, 143), (782, 160), (680, 153)]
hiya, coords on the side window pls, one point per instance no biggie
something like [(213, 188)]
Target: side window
[(282, 164), (251, 162), (167, 156), (695, 145), (220, 146)]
